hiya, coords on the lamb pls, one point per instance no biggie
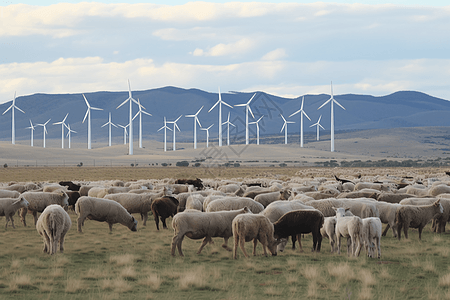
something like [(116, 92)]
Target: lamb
[(247, 227), (38, 201), (234, 203), (134, 203), (9, 206), (267, 198), (328, 230), (103, 210), (300, 221), (53, 225), (203, 225), (416, 217), (164, 207), (9, 194), (440, 221), (351, 228), (371, 235)]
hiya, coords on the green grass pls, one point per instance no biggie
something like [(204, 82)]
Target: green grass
[(137, 265)]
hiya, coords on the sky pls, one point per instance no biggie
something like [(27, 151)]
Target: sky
[(287, 49)]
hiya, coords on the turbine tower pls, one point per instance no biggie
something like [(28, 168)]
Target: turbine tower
[(13, 124), (62, 129), (257, 129), (32, 129), (124, 133), (165, 136), (110, 124), (207, 134), (88, 115), (318, 125), (195, 125), (175, 126), (140, 112), (45, 129), (332, 100), (285, 128), (247, 109), (220, 101), (130, 135), (302, 112), (69, 133), (228, 128)]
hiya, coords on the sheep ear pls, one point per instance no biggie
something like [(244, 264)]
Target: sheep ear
[(334, 208), (437, 202), (348, 208)]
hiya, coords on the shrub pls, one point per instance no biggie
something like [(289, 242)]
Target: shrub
[(5, 165), (283, 165), (183, 163)]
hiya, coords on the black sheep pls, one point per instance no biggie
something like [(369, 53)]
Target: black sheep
[(164, 207)]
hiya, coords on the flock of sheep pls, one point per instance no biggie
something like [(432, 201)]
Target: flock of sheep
[(268, 211)]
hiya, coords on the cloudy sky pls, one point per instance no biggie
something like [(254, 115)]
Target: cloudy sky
[(288, 49)]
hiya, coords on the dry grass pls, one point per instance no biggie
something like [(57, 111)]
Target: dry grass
[(74, 285), (153, 281), (19, 281), (123, 259), (444, 281), (342, 271), (193, 278), (366, 277)]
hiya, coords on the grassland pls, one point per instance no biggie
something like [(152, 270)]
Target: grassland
[(138, 265)]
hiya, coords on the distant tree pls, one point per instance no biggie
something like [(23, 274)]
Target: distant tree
[(5, 165), (183, 163)]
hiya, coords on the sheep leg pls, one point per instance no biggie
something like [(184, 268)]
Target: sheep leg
[(144, 218), (420, 232), (35, 217), (225, 243), (46, 243), (12, 221), (176, 242), (349, 246), (80, 222), (163, 220), (294, 239), (399, 230), (110, 227), (205, 241), (386, 230), (338, 239), (263, 240), (156, 216), (236, 242), (378, 247), (242, 245), (22, 214), (61, 243), (299, 239), (319, 241), (255, 242), (359, 246)]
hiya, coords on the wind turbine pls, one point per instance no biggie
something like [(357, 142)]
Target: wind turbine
[(130, 124), (88, 115), (32, 129), (175, 126), (285, 128), (45, 129), (318, 125), (207, 134), (195, 125), (124, 133), (332, 115), (247, 109), (140, 112), (220, 115), (257, 129), (228, 128), (165, 137), (69, 133), (13, 124), (110, 124), (62, 129), (302, 112)]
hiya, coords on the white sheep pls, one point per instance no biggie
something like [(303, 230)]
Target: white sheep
[(328, 230), (248, 227), (9, 206), (203, 225), (267, 198), (9, 194), (439, 221), (103, 210), (53, 224), (195, 201), (351, 228), (387, 216), (439, 189), (38, 201), (235, 203), (371, 235), (101, 192), (134, 203)]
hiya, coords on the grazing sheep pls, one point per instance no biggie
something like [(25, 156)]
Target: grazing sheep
[(181, 188), (9, 194), (370, 185), (134, 203), (229, 188), (300, 221), (52, 188), (38, 201), (393, 197), (416, 217), (9, 206), (103, 210), (351, 228), (247, 227), (101, 192), (234, 203), (164, 207), (439, 189), (21, 188), (267, 198), (203, 225), (387, 216), (70, 185), (417, 190), (195, 201), (439, 222), (53, 224), (197, 183), (371, 235), (73, 197), (252, 192), (366, 193), (328, 230), (84, 189)]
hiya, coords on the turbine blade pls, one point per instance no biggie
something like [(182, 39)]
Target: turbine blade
[(19, 109), (283, 127), (7, 109), (105, 124), (177, 119), (123, 103), (87, 103), (283, 118), (295, 113), (303, 112), (303, 100), (144, 112), (65, 118), (198, 121), (176, 126), (321, 126), (319, 119), (95, 108), (47, 122), (232, 124), (251, 99), (250, 110), (325, 103), (87, 112), (339, 104), (223, 102), (135, 116), (218, 101), (244, 104), (199, 110)]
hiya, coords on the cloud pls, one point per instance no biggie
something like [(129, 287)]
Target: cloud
[(276, 54), (239, 47)]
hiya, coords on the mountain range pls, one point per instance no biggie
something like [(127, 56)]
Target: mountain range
[(400, 109)]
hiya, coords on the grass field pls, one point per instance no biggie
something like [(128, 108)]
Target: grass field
[(138, 265)]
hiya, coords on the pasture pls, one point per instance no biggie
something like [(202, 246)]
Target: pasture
[(138, 265)]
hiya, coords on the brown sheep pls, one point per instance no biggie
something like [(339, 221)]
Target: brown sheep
[(164, 207)]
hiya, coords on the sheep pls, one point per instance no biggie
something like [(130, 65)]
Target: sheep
[(253, 191), (418, 191), (101, 192), (387, 216), (359, 207), (213, 197), (203, 225), (103, 210), (366, 193), (195, 201), (247, 227), (371, 235), (181, 188), (229, 188), (393, 197), (73, 198), (439, 189), (164, 207), (53, 225), (267, 198), (70, 185), (351, 228), (134, 203), (38, 201), (84, 189), (197, 183), (21, 188), (9, 194), (416, 217), (9, 206), (52, 188), (234, 203), (438, 223), (300, 221), (328, 230), (371, 185), (322, 195)]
